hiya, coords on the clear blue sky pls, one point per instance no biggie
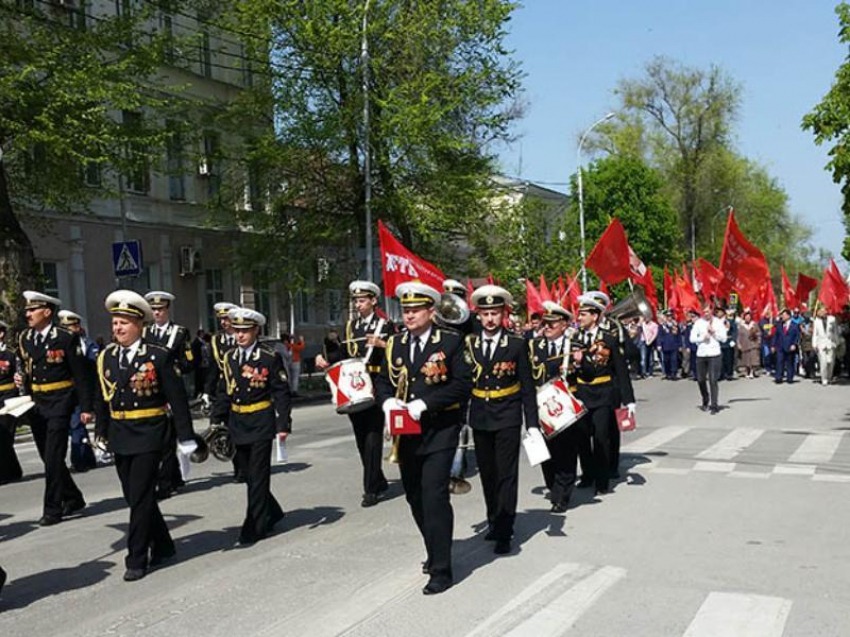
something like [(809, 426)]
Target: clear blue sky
[(784, 53)]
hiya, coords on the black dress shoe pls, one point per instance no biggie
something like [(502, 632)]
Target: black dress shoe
[(244, 542), (491, 536), (503, 547), (435, 587), (134, 574), (69, 508), (704, 408), (2, 579), (383, 487), (49, 520), (369, 500), (585, 483), (714, 410), (559, 507), (602, 490)]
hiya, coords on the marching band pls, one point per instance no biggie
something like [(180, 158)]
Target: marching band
[(417, 384)]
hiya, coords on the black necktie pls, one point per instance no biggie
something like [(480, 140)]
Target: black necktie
[(553, 350), (488, 352), (124, 363), (38, 339)]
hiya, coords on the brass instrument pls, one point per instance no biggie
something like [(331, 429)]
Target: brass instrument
[(400, 394), (452, 310), (632, 306)]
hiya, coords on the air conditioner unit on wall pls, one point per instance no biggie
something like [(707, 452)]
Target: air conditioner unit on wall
[(190, 261)]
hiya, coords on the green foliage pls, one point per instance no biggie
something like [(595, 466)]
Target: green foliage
[(829, 122)]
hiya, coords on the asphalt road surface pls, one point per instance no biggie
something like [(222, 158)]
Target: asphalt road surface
[(727, 525)]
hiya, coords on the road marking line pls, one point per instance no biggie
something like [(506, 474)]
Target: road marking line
[(794, 470), (328, 442), (714, 467), (544, 608), (655, 439), (731, 444), (831, 477), (817, 448), (758, 475), (740, 615)]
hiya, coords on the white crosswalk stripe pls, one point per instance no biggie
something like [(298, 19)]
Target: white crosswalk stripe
[(732, 444), (740, 615), (656, 439), (551, 604), (817, 448)]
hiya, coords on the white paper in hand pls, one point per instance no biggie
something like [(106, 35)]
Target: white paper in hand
[(185, 464), (280, 450), (535, 446)]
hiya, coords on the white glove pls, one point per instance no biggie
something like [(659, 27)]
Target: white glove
[(388, 406), (188, 447), (417, 408), (632, 409), (205, 401)]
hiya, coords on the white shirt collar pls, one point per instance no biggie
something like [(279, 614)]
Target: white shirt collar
[(163, 327), (495, 338), (131, 350), (366, 319), (46, 330), (246, 352)]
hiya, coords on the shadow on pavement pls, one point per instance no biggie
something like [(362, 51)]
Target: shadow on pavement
[(23, 591), (311, 518)]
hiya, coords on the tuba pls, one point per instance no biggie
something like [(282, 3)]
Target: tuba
[(452, 310), (632, 306)]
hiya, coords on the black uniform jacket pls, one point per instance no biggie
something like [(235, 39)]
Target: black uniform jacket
[(441, 376), (356, 331), (502, 388), (253, 398), (545, 368), (603, 379), (177, 340), (132, 404), (8, 367), (56, 372), (220, 347)]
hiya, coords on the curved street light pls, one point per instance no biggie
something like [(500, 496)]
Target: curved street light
[(581, 197)]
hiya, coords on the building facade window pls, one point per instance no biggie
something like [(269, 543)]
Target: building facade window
[(49, 278), (210, 168), (214, 293), (247, 70), (138, 173), (176, 178), (91, 175), (206, 55), (303, 307), (335, 309), (168, 33), (263, 298)]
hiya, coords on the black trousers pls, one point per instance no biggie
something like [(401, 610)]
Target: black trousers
[(368, 428), (599, 422), (263, 511), (10, 468), (497, 454), (51, 439), (708, 372), (559, 472), (613, 447), (169, 476), (426, 487), (138, 473)]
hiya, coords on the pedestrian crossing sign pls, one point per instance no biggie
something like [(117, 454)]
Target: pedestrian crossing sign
[(127, 258)]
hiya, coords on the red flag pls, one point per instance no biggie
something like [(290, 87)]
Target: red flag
[(533, 302), (561, 290), (490, 278), (834, 293), (770, 304), (685, 294), (788, 293), (637, 267), (469, 290), (743, 265), (710, 279), (545, 295), (401, 265), (603, 287), (610, 256), (649, 289), (805, 285), (668, 288), (573, 292)]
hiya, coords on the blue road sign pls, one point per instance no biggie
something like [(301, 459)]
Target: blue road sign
[(127, 258)]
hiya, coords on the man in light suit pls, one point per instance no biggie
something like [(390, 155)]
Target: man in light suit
[(825, 342)]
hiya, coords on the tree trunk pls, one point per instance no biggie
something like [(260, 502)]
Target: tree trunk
[(17, 260)]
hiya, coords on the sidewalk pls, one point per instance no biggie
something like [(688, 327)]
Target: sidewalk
[(303, 399)]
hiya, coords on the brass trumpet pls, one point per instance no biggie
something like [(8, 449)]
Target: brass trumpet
[(392, 456)]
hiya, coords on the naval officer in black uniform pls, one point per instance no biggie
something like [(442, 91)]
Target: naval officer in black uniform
[(550, 359), (10, 468), (138, 385), (503, 395), (177, 340), (253, 399), (603, 384), (366, 331), (427, 372), (55, 373)]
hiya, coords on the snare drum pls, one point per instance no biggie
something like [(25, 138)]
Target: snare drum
[(351, 386), (557, 407)]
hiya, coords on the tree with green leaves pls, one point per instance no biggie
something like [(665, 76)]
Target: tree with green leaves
[(829, 122), (441, 89), (66, 79)]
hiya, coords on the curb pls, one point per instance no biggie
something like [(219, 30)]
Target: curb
[(300, 401)]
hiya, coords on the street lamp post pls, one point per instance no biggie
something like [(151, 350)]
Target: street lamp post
[(581, 198), (367, 163)]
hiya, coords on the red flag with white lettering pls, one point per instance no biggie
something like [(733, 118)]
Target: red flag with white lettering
[(744, 266), (401, 265)]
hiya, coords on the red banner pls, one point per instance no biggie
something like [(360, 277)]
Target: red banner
[(545, 294), (833, 289), (685, 295), (533, 302), (709, 278), (401, 265), (805, 286), (610, 256), (649, 288), (788, 293), (743, 265)]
